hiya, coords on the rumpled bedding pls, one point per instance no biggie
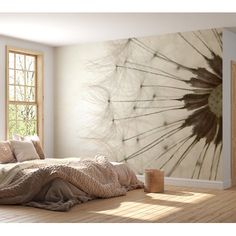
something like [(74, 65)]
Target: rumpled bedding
[(59, 184)]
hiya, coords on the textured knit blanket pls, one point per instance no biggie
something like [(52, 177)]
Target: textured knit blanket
[(61, 184)]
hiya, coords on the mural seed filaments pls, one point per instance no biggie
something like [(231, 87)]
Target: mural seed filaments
[(157, 103)]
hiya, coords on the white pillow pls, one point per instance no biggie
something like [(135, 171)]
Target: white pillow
[(35, 140), (17, 137), (24, 150)]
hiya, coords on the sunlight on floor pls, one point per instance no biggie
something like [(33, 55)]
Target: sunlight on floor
[(176, 204), (158, 205)]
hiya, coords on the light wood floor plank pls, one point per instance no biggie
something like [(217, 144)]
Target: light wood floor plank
[(176, 204)]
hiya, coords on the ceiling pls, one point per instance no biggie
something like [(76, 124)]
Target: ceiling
[(59, 29)]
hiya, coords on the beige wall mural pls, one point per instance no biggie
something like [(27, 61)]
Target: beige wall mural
[(155, 102)]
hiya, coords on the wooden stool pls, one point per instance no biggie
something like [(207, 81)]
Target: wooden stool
[(154, 181)]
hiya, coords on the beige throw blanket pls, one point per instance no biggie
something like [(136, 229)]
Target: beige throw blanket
[(59, 186)]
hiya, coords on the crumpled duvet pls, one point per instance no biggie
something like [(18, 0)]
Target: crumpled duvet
[(60, 184)]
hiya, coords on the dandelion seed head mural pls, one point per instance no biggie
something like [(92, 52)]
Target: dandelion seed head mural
[(156, 102)]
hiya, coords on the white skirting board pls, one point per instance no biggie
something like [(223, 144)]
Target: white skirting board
[(196, 183)]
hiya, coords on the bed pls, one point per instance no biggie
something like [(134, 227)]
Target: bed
[(59, 184)]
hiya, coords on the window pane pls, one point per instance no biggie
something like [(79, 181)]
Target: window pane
[(21, 128), (20, 77), (26, 128), (26, 112), (11, 77), (11, 93), (30, 63), (21, 112), (12, 112), (11, 60), (12, 128), (20, 62), (25, 125), (30, 78), (32, 112), (20, 94), (30, 94), (32, 128)]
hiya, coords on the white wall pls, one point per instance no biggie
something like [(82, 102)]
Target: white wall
[(70, 88), (48, 53), (229, 54)]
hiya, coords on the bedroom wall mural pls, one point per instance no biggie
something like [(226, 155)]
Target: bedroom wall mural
[(157, 103), (152, 102)]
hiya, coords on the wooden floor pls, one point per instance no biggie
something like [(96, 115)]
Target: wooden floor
[(176, 204)]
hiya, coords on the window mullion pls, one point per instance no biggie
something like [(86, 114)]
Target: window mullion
[(24, 78), (14, 77)]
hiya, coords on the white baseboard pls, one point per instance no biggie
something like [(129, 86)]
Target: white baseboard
[(196, 183), (227, 184)]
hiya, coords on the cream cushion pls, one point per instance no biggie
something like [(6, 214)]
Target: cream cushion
[(37, 145), (35, 140), (6, 155), (24, 150)]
